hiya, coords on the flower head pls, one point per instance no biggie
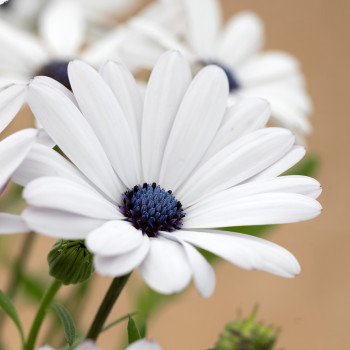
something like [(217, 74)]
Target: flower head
[(150, 182)]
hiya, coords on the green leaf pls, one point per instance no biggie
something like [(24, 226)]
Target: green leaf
[(133, 331), (117, 321), (67, 322), (77, 341), (8, 307)]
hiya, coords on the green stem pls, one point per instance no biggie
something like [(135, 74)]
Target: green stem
[(110, 298), (14, 283), (44, 304)]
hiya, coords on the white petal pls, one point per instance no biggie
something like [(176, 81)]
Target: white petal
[(70, 130), (11, 101), (237, 162), (289, 159), (120, 265), (20, 51), (246, 115), (106, 117), (44, 161), (10, 223), (60, 224), (242, 37), (64, 194), (144, 344), (195, 125), (126, 91), (245, 251), (166, 269), (114, 238), (61, 25), (204, 20), (266, 67), (203, 273), (258, 209), (13, 151), (166, 87), (304, 185)]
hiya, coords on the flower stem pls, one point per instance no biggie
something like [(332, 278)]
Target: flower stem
[(110, 298), (44, 304)]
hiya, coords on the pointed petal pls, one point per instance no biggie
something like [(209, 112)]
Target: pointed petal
[(114, 238), (106, 117), (61, 25), (120, 265), (63, 194), (195, 125), (258, 209), (60, 224), (70, 130), (125, 89), (203, 273), (242, 37), (13, 151), (44, 161), (11, 101), (246, 115), (165, 268), (289, 159), (237, 162), (10, 223), (246, 251), (166, 87)]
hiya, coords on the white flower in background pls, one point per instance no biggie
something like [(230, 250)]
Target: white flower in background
[(152, 180), (273, 75), (13, 151), (61, 37), (142, 344)]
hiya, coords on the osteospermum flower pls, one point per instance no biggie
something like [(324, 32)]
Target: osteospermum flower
[(236, 47), (13, 151), (61, 37), (150, 182)]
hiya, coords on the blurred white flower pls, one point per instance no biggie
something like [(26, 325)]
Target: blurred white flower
[(273, 75), (13, 151), (151, 180)]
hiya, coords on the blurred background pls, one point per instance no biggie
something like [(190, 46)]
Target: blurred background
[(312, 310)]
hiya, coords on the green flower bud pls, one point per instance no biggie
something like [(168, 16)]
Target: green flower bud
[(246, 334), (70, 262)]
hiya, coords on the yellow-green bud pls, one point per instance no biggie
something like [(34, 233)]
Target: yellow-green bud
[(70, 262), (246, 334)]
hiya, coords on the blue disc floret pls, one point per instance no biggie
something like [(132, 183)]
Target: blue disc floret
[(151, 209)]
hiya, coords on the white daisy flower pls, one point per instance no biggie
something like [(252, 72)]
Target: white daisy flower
[(13, 151), (152, 181), (61, 37), (237, 48)]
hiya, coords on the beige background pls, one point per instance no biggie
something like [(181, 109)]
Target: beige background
[(313, 309)]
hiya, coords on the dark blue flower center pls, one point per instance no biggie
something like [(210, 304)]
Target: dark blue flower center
[(151, 209), (57, 70), (232, 80)]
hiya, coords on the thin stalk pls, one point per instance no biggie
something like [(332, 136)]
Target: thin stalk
[(38, 320), (106, 306), (14, 283)]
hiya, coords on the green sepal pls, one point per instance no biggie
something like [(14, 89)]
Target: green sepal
[(133, 331)]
